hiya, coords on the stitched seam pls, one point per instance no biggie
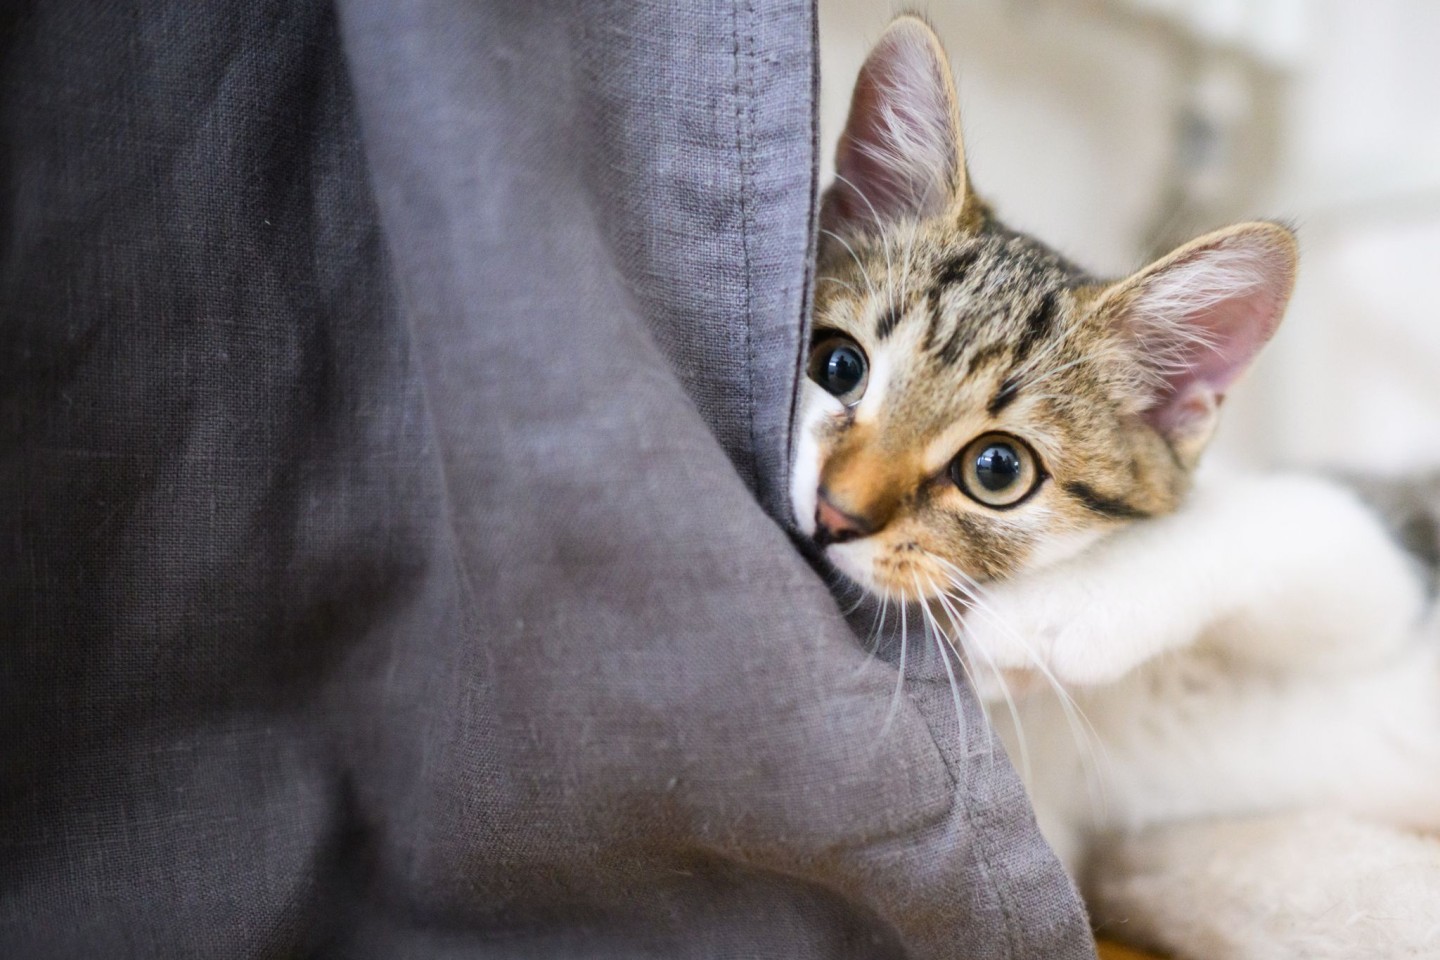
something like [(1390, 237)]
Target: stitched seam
[(807, 288), (744, 124)]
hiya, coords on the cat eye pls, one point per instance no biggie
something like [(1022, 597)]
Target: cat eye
[(838, 364), (997, 470)]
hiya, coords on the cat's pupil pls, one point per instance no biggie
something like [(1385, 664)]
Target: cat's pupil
[(843, 370), (997, 467)]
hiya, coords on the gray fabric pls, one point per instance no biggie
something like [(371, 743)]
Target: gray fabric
[(399, 584)]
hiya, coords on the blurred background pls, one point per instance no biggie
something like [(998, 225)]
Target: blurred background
[(1115, 129)]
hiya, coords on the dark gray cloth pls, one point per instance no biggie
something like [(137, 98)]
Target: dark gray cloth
[(395, 579)]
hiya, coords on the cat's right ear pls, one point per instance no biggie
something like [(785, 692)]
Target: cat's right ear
[(901, 155)]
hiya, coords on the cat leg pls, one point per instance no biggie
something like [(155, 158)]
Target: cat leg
[(1316, 885), (1283, 570)]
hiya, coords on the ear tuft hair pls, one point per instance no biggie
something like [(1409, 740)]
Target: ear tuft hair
[(1198, 317)]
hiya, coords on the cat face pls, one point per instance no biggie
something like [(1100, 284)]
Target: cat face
[(975, 405)]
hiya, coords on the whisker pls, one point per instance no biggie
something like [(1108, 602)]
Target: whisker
[(884, 235), (1031, 384), (864, 274), (1083, 732), (847, 286), (876, 634), (900, 672), (838, 582), (1022, 742), (942, 640), (874, 214)]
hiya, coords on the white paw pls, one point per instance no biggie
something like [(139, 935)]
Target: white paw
[(1066, 627)]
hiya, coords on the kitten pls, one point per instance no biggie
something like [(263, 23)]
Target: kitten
[(991, 432)]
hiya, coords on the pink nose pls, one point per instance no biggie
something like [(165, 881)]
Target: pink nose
[(833, 525)]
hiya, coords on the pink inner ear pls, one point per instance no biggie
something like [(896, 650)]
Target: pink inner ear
[(1202, 319), (898, 155)]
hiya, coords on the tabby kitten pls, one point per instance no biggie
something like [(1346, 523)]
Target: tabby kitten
[(995, 435)]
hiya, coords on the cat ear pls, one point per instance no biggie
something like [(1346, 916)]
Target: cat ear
[(901, 153), (1198, 317)]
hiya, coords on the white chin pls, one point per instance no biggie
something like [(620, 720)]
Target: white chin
[(856, 560)]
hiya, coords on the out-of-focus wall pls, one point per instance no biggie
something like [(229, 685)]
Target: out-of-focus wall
[(1107, 127)]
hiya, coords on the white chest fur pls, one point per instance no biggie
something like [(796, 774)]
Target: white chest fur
[(1194, 734)]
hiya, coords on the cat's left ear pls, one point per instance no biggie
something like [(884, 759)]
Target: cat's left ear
[(1197, 318)]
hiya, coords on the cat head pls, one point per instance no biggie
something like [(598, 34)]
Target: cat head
[(976, 405)]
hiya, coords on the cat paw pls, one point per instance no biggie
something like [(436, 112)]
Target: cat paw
[(1045, 626)]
